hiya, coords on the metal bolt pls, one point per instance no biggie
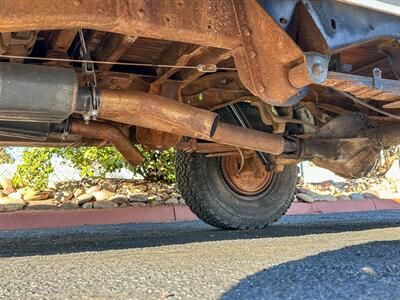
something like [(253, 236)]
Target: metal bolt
[(246, 32), (252, 54), (261, 88), (317, 69), (224, 81), (377, 72)]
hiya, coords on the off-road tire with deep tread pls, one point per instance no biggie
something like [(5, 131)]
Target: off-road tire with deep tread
[(207, 194)]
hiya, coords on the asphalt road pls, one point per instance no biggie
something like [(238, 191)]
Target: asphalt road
[(339, 256)]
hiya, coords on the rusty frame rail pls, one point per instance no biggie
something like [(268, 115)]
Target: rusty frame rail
[(263, 52)]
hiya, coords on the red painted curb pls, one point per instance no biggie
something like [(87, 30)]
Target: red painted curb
[(71, 218), (183, 213), (300, 208), (157, 214), (343, 206)]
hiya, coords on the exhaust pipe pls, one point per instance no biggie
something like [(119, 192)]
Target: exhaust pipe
[(156, 112), (163, 114), (110, 134), (51, 95)]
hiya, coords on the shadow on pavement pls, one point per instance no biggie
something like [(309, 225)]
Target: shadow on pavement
[(114, 237), (367, 271)]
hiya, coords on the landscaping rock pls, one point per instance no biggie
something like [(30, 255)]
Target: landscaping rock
[(369, 196), (138, 198), (305, 198), (165, 196), (78, 192), (68, 205), (109, 186), (15, 195), (82, 199), (31, 195), (9, 204), (172, 201), (63, 196), (356, 196), (92, 189), (104, 204), (87, 205), (102, 195), (137, 204), (155, 200), (343, 198), (50, 204), (119, 199), (6, 184), (316, 196)]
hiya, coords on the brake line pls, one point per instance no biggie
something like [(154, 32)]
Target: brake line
[(205, 68)]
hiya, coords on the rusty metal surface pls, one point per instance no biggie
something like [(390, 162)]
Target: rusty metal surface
[(214, 23), (392, 105), (53, 140), (156, 140), (263, 52), (110, 134), (246, 176), (267, 54), (387, 136), (249, 139), (112, 47), (211, 56), (163, 114), (363, 87), (176, 54), (350, 145), (61, 40), (212, 149), (117, 81), (17, 43), (214, 90), (156, 112), (349, 158)]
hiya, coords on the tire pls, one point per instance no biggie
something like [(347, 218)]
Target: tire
[(209, 195)]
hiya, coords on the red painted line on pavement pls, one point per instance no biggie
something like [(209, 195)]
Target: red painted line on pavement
[(157, 214)]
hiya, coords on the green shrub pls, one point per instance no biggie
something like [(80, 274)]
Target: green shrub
[(35, 169), (93, 161), (36, 164), (157, 166)]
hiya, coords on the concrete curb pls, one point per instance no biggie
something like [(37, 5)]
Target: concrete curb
[(157, 214)]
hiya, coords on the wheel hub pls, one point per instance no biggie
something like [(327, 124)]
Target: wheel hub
[(248, 176)]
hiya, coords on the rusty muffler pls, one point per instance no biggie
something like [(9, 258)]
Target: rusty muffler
[(110, 134)]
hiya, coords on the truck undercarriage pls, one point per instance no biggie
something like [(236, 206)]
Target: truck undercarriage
[(244, 89)]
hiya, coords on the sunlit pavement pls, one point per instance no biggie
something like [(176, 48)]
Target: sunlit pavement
[(334, 256)]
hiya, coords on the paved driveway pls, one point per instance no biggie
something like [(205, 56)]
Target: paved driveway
[(338, 256)]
